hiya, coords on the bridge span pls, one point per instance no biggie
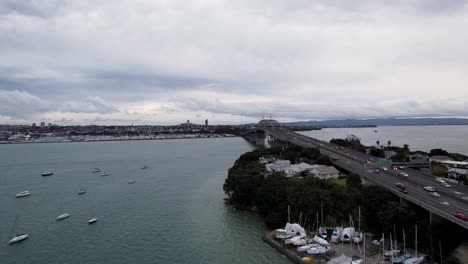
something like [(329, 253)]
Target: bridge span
[(449, 203)]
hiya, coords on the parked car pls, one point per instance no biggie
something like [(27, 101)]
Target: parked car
[(429, 188), (462, 217)]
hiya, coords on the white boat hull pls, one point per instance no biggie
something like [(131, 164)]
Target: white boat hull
[(19, 238), (62, 216), (92, 221), (22, 194)]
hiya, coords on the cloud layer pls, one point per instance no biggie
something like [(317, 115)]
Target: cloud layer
[(231, 61)]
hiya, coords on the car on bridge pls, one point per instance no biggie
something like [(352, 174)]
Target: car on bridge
[(429, 188), (462, 217), (402, 174), (401, 187), (446, 185), (435, 194), (440, 180)]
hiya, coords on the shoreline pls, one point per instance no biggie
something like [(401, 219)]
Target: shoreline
[(119, 139)]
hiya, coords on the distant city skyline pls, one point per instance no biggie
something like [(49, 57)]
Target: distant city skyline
[(231, 62)]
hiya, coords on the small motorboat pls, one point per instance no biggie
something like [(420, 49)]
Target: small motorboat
[(306, 247), (105, 174), (96, 170), (144, 167), (92, 221), (18, 238), (318, 250), (82, 191), (62, 216), (47, 173), (23, 194), (131, 181)]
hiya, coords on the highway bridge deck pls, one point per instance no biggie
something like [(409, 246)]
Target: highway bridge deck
[(449, 203)]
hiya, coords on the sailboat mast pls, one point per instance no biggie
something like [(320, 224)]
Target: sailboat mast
[(364, 239), (14, 226), (404, 242), (289, 215), (416, 241), (391, 248), (359, 213), (321, 212)]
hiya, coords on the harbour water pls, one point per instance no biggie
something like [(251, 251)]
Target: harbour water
[(173, 213), (425, 138)]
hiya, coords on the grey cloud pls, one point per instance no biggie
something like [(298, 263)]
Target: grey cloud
[(89, 105), (282, 110), (21, 104), (301, 56)]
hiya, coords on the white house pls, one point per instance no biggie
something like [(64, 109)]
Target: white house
[(286, 167), (325, 172), (457, 173)]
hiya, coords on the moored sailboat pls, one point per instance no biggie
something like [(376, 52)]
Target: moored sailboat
[(19, 236)]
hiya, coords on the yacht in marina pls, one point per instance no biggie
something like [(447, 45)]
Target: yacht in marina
[(96, 170), (105, 174), (82, 191)]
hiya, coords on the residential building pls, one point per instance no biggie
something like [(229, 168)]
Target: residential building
[(439, 158), (457, 173), (325, 172)]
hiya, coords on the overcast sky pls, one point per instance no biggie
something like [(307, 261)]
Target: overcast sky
[(163, 62)]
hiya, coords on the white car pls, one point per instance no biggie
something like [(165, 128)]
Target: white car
[(440, 180), (384, 168), (465, 198), (435, 194), (446, 185), (455, 192), (429, 188), (444, 203)]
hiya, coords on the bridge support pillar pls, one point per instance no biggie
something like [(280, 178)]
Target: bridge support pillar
[(430, 218), (260, 138)]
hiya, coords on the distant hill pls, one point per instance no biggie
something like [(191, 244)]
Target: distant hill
[(382, 122)]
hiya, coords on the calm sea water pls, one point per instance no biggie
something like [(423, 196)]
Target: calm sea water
[(425, 138), (174, 213)]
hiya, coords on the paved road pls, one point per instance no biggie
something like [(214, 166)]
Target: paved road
[(449, 203)]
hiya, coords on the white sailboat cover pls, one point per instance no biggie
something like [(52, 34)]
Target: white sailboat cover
[(347, 234), (340, 260), (320, 240), (293, 239), (294, 229), (415, 260)]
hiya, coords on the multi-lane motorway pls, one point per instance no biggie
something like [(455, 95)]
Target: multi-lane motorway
[(450, 202)]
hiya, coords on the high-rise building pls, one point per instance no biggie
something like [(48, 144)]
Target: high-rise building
[(42, 124), (50, 124), (188, 121), (206, 122), (33, 125)]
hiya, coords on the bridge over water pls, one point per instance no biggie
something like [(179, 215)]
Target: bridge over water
[(447, 205)]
